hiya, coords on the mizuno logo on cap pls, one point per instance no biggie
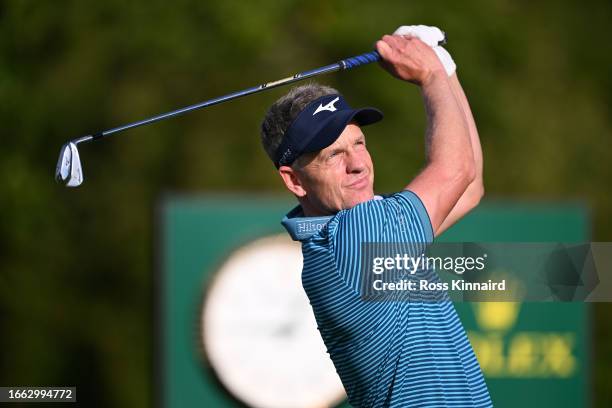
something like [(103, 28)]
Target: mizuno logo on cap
[(329, 107)]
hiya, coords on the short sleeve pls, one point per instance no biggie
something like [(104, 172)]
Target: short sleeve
[(416, 207), (400, 218)]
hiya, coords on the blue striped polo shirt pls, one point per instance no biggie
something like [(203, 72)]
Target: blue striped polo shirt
[(392, 353)]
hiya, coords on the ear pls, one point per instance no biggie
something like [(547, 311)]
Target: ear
[(292, 180)]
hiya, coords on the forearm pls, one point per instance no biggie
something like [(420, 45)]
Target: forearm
[(447, 135), (450, 163), (471, 126), (472, 195)]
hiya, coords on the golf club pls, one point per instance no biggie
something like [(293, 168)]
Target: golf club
[(70, 172)]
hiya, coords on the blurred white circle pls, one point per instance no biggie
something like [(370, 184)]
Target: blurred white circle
[(259, 333)]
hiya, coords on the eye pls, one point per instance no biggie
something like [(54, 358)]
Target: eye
[(334, 154)]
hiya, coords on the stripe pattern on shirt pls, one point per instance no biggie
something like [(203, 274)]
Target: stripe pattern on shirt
[(393, 353)]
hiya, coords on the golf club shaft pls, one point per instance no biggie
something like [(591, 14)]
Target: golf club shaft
[(344, 64)]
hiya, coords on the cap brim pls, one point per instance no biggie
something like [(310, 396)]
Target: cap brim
[(333, 128)]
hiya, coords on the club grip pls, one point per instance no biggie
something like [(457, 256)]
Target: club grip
[(362, 59)]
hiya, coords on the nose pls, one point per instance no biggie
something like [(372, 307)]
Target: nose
[(355, 162)]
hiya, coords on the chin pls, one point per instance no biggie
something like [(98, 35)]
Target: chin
[(359, 198)]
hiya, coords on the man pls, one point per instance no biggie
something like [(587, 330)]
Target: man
[(390, 353)]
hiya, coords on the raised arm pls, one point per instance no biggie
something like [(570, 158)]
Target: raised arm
[(450, 167), (472, 195)]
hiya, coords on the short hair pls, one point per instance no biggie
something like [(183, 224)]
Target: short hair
[(284, 111)]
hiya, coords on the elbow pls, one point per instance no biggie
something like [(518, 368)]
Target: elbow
[(476, 193), (474, 189), (478, 186), (466, 174), (479, 193)]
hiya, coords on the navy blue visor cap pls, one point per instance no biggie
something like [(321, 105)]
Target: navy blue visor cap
[(318, 125)]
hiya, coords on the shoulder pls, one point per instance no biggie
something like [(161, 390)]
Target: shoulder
[(399, 212)]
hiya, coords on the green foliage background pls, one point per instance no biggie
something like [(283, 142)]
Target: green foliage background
[(76, 266)]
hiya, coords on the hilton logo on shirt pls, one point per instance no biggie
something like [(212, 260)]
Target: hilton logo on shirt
[(310, 226)]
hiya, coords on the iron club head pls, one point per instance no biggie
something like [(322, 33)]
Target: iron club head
[(68, 170)]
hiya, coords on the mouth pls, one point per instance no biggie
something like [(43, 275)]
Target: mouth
[(360, 183)]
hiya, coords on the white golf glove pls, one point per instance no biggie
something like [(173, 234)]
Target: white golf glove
[(432, 37)]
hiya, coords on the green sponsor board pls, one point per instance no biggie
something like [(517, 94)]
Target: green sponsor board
[(532, 354)]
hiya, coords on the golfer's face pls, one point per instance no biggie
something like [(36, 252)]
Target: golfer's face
[(341, 175)]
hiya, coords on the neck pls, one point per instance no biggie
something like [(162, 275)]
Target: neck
[(312, 211)]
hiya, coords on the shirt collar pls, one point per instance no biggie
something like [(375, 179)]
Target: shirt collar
[(301, 228)]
